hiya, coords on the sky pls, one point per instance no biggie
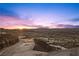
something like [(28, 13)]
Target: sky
[(36, 15)]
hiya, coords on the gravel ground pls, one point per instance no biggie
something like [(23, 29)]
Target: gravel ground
[(25, 49)]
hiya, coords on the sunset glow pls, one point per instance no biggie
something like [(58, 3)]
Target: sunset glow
[(24, 27), (31, 16), (19, 27)]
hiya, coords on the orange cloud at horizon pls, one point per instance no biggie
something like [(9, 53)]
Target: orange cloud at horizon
[(19, 27), (14, 23)]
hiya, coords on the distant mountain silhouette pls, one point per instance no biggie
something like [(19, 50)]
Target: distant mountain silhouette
[(64, 26), (71, 26)]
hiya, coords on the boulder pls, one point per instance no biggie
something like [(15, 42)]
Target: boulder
[(41, 45)]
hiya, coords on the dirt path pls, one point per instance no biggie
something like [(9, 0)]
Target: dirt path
[(21, 49), (10, 50), (24, 48)]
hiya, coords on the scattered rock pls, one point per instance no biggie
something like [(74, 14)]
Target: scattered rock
[(41, 45)]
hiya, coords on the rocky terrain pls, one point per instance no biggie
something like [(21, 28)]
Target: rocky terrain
[(39, 42), (26, 49)]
